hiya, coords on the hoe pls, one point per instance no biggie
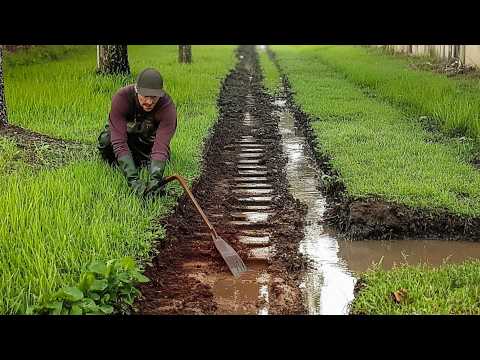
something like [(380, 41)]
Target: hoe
[(233, 260)]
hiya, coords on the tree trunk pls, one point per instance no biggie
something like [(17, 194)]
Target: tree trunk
[(184, 54), (112, 59), (3, 106)]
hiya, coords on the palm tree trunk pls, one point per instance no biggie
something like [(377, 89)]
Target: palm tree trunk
[(3, 105), (184, 54), (112, 59)]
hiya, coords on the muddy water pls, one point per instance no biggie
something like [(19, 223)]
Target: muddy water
[(328, 289), (245, 295), (248, 294), (361, 255)]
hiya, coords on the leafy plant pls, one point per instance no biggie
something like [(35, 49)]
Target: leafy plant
[(105, 288)]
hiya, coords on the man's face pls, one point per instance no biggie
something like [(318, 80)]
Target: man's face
[(147, 102)]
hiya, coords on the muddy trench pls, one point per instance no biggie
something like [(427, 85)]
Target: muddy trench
[(243, 191)]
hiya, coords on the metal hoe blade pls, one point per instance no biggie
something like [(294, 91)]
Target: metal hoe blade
[(233, 261)]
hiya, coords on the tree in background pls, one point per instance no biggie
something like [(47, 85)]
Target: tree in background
[(112, 59), (3, 106), (184, 54)]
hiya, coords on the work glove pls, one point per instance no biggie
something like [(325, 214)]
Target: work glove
[(156, 184), (130, 172)]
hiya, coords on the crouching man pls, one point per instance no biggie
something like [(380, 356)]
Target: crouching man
[(141, 123)]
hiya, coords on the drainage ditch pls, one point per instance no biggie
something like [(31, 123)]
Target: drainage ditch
[(243, 192), (260, 188), (328, 288)]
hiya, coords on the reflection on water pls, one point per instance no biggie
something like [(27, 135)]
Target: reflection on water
[(360, 255), (241, 295), (329, 288)]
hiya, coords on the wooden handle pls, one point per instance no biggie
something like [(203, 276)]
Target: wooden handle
[(183, 183)]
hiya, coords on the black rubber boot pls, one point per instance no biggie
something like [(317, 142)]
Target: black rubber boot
[(130, 172), (105, 147)]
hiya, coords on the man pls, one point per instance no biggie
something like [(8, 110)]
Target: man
[(141, 123)]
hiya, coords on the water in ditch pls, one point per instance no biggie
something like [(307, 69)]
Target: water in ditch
[(328, 288)]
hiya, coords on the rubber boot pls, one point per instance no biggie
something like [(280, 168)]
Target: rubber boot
[(130, 172), (105, 146)]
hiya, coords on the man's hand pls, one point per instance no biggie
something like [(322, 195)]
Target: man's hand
[(138, 187), (155, 186), (131, 174), (154, 190)]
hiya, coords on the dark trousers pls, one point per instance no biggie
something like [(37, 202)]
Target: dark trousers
[(139, 148)]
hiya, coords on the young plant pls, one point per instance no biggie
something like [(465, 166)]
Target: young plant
[(105, 288)]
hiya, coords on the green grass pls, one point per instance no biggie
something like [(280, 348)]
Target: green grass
[(40, 54), (54, 222), (10, 156), (271, 77), (454, 105), (378, 150), (63, 98), (58, 221), (448, 289)]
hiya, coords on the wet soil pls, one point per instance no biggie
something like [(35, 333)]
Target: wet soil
[(15, 48), (38, 150), (361, 219), (243, 191)]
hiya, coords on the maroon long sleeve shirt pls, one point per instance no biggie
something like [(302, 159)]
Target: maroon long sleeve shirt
[(126, 108)]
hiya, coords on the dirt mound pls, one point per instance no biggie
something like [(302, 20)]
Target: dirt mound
[(42, 150)]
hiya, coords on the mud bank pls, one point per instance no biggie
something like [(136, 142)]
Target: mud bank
[(41, 150), (374, 218), (243, 191)]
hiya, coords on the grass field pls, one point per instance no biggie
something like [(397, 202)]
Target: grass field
[(448, 290), (380, 152), (57, 221), (453, 105), (271, 77), (377, 149)]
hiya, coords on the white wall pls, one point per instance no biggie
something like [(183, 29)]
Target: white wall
[(469, 54), (472, 55)]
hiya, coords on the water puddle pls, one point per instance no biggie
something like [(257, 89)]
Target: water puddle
[(254, 179), (248, 294), (245, 295), (252, 186), (328, 289), (361, 255), (252, 217), (251, 161), (251, 167), (251, 155), (255, 240)]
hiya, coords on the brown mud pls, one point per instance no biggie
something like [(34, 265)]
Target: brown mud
[(39, 150), (362, 219), (243, 155), (15, 48)]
